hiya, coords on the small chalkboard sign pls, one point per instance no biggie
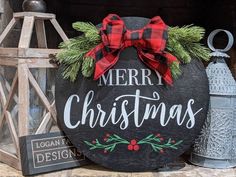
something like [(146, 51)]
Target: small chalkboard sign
[(48, 152), (129, 120)]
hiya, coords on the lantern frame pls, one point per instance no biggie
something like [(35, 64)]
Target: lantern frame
[(23, 59)]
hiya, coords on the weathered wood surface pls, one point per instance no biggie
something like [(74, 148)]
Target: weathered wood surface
[(97, 171), (23, 102), (37, 15), (27, 53), (24, 58)]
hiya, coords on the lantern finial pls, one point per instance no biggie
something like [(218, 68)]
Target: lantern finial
[(220, 52), (34, 6)]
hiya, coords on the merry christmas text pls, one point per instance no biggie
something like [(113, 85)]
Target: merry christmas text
[(129, 77), (122, 115)]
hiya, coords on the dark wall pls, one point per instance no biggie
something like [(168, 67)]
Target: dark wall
[(210, 14), (183, 12), (206, 13)]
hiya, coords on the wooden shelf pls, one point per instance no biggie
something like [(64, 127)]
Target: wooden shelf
[(94, 171)]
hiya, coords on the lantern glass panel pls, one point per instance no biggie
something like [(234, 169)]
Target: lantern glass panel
[(50, 87), (50, 94), (37, 110), (7, 75), (1, 110), (6, 141)]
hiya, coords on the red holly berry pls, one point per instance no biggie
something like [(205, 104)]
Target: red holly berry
[(161, 139), (133, 142), (94, 142), (161, 151), (136, 147), (158, 135), (108, 135), (130, 147), (105, 151), (105, 139), (173, 141)]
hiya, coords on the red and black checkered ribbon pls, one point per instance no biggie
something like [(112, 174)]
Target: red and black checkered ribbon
[(150, 43)]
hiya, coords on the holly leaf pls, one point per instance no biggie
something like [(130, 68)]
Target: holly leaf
[(179, 142), (110, 139), (113, 147), (88, 143), (157, 139), (116, 136)]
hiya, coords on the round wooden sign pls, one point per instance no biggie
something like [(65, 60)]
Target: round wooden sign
[(129, 120)]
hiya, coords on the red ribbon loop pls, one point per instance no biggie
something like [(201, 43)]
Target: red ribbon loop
[(149, 41)]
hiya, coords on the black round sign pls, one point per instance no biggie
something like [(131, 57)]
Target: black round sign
[(129, 120)]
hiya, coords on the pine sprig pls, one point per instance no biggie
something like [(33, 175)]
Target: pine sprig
[(71, 71), (88, 66), (184, 43), (174, 47), (155, 141), (81, 43), (175, 70), (115, 139), (70, 56), (188, 33), (197, 50), (73, 51), (90, 31)]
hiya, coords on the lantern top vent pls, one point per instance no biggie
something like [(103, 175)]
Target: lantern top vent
[(221, 81)]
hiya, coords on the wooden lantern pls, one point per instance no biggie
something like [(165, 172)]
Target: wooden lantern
[(15, 91)]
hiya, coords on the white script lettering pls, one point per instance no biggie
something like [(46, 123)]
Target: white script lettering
[(95, 115)]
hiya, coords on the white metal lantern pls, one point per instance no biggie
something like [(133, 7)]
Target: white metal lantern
[(216, 145)]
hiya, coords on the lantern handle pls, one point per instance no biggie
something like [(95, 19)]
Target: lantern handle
[(220, 52)]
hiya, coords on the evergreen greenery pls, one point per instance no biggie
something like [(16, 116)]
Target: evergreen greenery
[(183, 42), (73, 51)]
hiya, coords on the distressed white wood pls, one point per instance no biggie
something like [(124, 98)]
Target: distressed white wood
[(23, 58)]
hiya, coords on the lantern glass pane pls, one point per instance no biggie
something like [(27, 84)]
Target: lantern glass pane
[(6, 140), (50, 87), (1, 110), (36, 111), (39, 115), (50, 94), (7, 75)]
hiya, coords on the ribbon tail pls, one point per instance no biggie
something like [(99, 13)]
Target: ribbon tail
[(156, 65), (173, 64), (104, 60), (103, 65), (167, 77)]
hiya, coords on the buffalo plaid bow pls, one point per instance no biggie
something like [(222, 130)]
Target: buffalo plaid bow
[(150, 43)]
